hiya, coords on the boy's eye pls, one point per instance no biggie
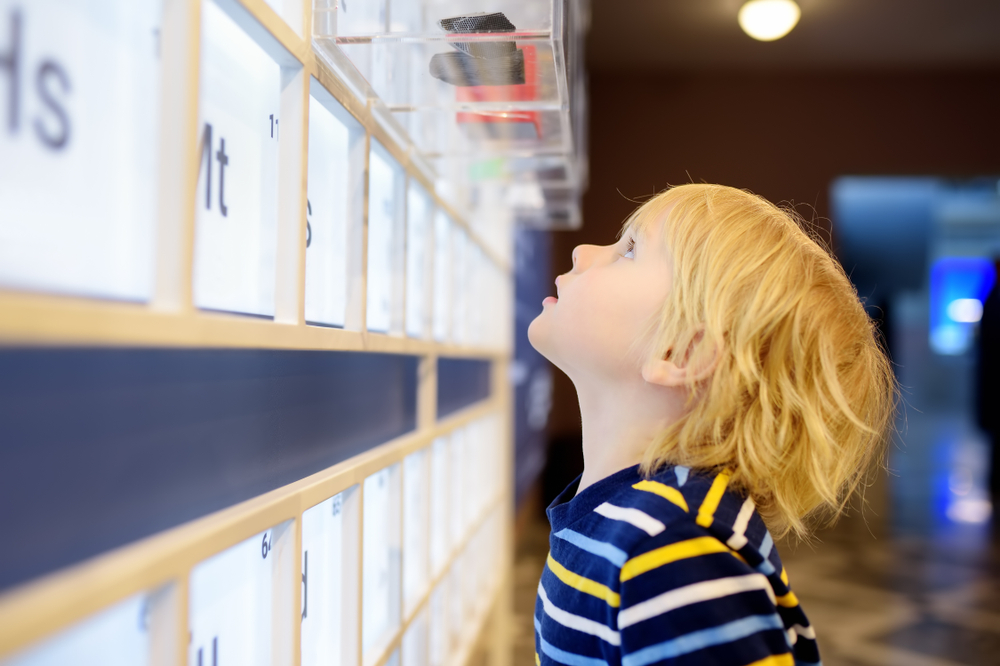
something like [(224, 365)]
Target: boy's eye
[(630, 249)]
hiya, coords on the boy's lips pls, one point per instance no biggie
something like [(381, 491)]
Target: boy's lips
[(550, 299)]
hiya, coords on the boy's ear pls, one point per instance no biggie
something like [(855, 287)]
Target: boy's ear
[(672, 372)]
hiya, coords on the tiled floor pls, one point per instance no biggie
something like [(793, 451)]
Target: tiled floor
[(899, 599), (529, 560)]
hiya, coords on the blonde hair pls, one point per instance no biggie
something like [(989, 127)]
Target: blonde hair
[(801, 395)]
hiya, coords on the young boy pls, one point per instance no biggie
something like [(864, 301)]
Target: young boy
[(731, 387)]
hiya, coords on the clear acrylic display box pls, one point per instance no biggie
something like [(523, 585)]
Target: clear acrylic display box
[(399, 52), (481, 90), (548, 206), (517, 134)]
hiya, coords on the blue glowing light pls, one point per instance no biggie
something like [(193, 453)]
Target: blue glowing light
[(959, 285)]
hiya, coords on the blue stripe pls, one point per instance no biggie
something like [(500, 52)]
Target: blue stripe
[(612, 554), (682, 474), (552, 652), (766, 546), (698, 640)]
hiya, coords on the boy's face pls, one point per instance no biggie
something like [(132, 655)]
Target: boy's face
[(604, 306)]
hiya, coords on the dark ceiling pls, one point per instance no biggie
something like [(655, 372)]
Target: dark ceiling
[(832, 34)]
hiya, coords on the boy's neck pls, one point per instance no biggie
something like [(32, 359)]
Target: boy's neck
[(619, 424)]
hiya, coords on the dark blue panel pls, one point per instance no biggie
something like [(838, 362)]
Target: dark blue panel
[(461, 382), (531, 372), (100, 447)]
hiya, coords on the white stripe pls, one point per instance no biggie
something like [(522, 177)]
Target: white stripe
[(739, 539), (583, 624), (799, 630), (682, 474), (643, 521), (692, 594)]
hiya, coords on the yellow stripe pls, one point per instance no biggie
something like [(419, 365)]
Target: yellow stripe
[(585, 585), (707, 511), (675, 551), (788, 600), (538, 662), (668, 493), (784, 576), (775, 660)]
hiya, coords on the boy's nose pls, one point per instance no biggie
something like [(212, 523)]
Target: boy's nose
[(581, 256)]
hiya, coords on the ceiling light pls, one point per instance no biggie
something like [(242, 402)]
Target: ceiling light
[(768, 20)]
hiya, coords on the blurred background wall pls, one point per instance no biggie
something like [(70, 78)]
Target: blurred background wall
[(784, 134)]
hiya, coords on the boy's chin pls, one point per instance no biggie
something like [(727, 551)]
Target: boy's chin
[(543, 344), (538, 336)]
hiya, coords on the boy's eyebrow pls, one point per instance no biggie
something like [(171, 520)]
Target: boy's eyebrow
[(638, 236), (631, 230)]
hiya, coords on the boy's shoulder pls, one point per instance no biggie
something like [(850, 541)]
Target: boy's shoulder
[(677, 503)]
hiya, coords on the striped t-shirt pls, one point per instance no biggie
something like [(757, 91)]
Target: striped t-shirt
[(675, 569)]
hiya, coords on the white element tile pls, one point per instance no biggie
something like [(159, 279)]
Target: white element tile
[(472, 487), (456, 477), (117, 636), (456, 606), (415, 642), (232, 599), (80, 146), (236, 203), (418, 229), (384, 210), (380, 585), (476, 300), (323, 546), (459, 284), (326, 215), (439, 644), (276, 5), (440, 544), (442, 275), (416, 515)]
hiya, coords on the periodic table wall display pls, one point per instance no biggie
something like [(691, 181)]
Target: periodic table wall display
[(256, 264)]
